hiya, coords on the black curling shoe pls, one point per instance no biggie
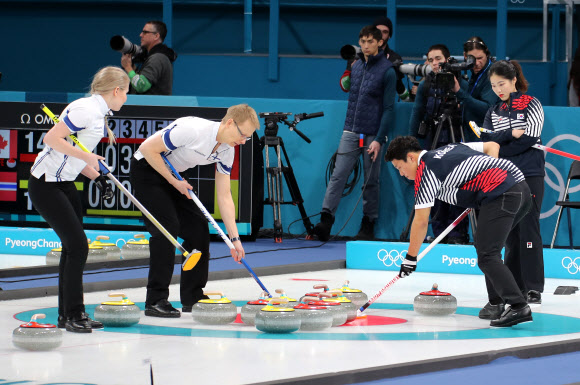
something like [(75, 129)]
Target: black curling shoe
[(162, 309), (94, 324), (78, 324), (534, 297), (490, 311), (512, 317)]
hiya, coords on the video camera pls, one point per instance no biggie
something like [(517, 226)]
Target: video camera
[(122, 44), (349, 52), (445, 78), (272, 119)]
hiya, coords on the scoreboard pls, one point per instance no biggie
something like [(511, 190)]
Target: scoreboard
[(22, 129)]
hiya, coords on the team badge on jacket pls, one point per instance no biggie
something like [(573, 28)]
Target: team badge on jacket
[(520, 116)]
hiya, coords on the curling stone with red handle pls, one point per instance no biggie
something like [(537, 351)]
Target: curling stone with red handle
[(249, 310), (35, 336), (315, 293), (273, 319), (136, 248), (314, 314), (219, 311), (121, 313), (113, 251), (435, 302), (339, 312), (355, 295)]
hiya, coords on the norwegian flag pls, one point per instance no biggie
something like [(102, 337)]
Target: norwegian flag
[(8, 186), (8, 144)]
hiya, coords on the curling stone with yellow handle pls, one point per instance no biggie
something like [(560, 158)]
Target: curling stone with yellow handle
[(314, 315), (355, 295), (249, 310), (96, 253), (35, 336), (113, 251), (339, 312), (214, 311), (273, 319), (435, 302), (346, 303), (121, 313), (136, 248), (53, 256)]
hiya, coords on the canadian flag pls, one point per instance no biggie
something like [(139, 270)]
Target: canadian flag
[(8, 145)]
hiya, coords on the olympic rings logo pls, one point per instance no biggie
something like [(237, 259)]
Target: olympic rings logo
[(571, 264), (518, 1), (391, 258), (560, 184)]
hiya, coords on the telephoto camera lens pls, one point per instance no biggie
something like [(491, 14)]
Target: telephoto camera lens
[(123, 45)]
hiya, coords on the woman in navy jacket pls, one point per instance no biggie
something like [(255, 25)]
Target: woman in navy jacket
[(516, 122)]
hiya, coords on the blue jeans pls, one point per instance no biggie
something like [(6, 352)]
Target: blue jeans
[(345, 163)]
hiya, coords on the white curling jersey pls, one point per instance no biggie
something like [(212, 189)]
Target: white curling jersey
[(190, 142), (86, 119)]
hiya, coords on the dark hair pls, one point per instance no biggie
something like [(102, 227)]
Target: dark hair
[(400, 147), (160, 28), (575, 72), (371, 30), (476, 42), (441, 47), (383, 20), (509, 70)]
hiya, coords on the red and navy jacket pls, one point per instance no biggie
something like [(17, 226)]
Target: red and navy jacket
[(523, 112), (463, 177)]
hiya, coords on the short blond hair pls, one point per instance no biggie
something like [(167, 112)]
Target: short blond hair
[(240, 113), (106, 80)]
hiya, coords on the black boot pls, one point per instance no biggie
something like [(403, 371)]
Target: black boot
[(322, 229), (367, 230)]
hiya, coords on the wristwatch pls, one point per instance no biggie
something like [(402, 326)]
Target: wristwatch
[(235, 239)]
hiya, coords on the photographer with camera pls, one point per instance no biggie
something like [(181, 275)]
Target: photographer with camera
[(475, 96), (369, 116), (155, 75), (436, 121)]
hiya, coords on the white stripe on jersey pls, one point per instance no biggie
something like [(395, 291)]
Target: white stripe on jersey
[(532, 125)]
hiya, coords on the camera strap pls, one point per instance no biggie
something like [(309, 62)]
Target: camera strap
[(480, 75)]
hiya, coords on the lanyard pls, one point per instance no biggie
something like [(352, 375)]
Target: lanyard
[(480, 75)]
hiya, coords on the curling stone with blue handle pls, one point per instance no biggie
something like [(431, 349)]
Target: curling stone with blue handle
[(314, 315), (113, 251), (435, 302), (214, 311), (249, 310), (136, 248), (273, 319), (37, 337), (355, 295), (121, 313)]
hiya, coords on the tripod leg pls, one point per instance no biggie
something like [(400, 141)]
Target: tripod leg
[(279, 199)]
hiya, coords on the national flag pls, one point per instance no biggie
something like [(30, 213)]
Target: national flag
[(8, 186), (8, 144)]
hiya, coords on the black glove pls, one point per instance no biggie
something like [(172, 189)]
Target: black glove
[(104, 187), (408, 266), (349, 64)]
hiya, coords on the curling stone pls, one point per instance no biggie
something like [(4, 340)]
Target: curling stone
[(315, 293), (136, 248), (214, 311), (339, 312), (249, 310), (96, 253), (272, 319), (118, 313), (435, 302), (291, 301), (314, 315), (355, 295), (113, 251), (35, 336), (346, 303), (53, 256)]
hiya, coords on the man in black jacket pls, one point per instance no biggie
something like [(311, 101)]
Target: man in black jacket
[(385, 25), (155, 75)]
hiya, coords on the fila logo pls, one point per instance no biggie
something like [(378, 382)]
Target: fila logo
[(529, 245), (520, 116)]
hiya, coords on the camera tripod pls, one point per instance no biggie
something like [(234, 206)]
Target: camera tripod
[(274, 173), (445, 117)]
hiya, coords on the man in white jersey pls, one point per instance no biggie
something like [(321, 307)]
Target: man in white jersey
[(461, 175), (187, 142)]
